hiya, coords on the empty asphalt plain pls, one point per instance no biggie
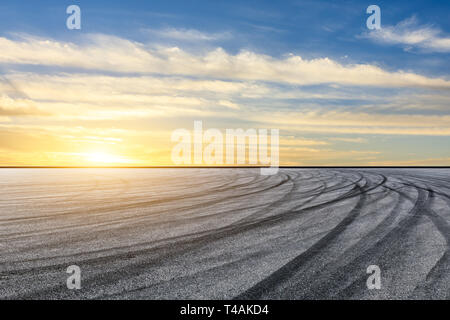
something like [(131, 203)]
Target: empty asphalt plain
[(224, 233)]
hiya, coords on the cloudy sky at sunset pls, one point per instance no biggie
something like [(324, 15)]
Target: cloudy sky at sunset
[(114, 91)]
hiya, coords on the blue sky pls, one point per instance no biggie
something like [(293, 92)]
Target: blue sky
[(398, 77), (310, 28)]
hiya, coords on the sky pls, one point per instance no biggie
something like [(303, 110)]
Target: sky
[(113, 92)]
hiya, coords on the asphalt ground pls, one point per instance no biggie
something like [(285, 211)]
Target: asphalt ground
[(224, 233)]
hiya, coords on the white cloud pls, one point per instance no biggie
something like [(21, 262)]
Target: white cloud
[(229, 104), (356, 123), (187, 34), (79, 97), (350, 140), (410, 34), (113, 54)]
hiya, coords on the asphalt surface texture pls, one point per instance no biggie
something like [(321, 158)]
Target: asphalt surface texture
[(225, 233)]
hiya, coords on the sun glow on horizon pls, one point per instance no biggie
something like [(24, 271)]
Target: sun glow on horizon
[(106, 158)]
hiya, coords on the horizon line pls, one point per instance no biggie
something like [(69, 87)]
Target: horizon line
[(212, 167)]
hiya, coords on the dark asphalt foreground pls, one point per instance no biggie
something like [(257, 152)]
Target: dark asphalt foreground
[(224, 233)]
